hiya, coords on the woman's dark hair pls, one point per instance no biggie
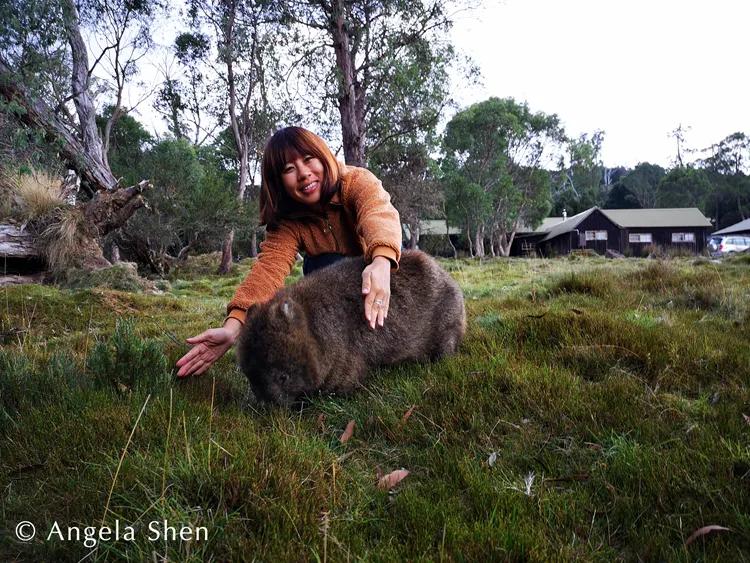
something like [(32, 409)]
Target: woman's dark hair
[(286, 145)]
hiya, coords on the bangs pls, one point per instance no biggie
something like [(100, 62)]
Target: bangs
[(291, 143), (286, 145)]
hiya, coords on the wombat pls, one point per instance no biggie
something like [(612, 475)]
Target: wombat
[(313, 336)]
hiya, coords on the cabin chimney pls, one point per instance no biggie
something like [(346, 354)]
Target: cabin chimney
[(565, 215)]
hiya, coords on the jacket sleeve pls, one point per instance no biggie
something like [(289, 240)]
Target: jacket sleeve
[(277, 255), (377, 221)]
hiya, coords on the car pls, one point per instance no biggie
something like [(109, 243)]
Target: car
[(723, 245)]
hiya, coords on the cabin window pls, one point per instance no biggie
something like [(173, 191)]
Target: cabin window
[(640, 237), (596, 235), (683, 237)]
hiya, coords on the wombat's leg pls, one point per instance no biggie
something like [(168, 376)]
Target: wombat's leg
[(346, 376), (450, 324)]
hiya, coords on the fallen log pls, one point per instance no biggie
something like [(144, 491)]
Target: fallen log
[(17, 243)]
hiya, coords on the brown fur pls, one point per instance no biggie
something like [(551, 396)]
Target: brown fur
[(313, 335)]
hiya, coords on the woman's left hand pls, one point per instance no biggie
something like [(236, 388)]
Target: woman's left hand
[(376, 287)]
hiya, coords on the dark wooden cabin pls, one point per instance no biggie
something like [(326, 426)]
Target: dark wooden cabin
[(632, 232)]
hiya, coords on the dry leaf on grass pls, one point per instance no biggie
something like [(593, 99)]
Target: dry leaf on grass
[(492, 459), (348, 432), (407, 414), (387, 482), (321, 421), (746, 418), (705, 530)]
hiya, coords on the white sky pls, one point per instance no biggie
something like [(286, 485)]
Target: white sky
[(634, 68)]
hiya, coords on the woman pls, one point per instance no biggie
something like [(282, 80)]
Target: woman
[(309, 202)]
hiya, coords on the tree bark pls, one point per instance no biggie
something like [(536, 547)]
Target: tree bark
[(92, 143), (479, 242), (254, 244), (414, 231), (15, 243), (350, 98), (38, 115), (226, 254)]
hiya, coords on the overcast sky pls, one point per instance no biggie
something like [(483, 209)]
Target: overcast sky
[(634, 68)]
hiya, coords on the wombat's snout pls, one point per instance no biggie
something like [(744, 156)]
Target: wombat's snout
[(281, 387)]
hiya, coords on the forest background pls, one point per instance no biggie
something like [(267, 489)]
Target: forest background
[(376, 79)]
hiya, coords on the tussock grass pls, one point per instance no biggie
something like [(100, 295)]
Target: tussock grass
[(609, 395), (63, 239), (32, 196)]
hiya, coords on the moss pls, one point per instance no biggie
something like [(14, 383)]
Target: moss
[(122, 276)]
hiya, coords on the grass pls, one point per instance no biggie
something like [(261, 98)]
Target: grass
[(609, 396)]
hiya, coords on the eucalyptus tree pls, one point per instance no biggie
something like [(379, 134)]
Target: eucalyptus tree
[(47, 83), (494, 156), (237, 42), (382, 63), (728, 166), (411, 177), (580, 176), (643, 183)]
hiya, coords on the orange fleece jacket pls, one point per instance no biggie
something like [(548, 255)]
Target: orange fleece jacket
[(359, 219)]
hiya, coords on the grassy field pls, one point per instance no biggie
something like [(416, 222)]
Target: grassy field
[(597, 411)]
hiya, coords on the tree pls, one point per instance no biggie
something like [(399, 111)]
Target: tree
[(727, 167), (410, 177), (191, 205), (383, 63), (494, 155), (643, 183), (684, 186), (128, 143), (580, 183), (28, 92), (246, 36)]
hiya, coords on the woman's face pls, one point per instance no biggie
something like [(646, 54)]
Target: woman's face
[(302, 177)]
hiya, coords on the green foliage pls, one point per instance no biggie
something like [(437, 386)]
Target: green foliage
[(128, 145), (410, 176), (493, 165), (192, 204), (579, 180), (643, 182), (127, 362), (684, 187)]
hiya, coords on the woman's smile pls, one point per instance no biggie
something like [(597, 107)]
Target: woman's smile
[(301, 178)]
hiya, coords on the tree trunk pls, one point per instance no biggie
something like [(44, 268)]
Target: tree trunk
[(447, 234), (414, 240), (350, 97), (468, 238), (37, 114), (506, 241), (15, 243), (479, 242), (226, 254), (254, 244), (85, 109)]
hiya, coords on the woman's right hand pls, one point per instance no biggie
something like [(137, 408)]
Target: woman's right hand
[(208, 347)]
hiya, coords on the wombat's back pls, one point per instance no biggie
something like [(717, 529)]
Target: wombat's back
[(426, 316)]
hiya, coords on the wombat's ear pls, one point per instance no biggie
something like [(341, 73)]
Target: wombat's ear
[(287, 310)]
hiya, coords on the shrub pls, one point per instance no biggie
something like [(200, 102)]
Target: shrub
[(122, 276), (128, 362)]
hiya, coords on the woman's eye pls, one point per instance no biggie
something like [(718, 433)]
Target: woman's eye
[(309, 157), (287, 170)]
